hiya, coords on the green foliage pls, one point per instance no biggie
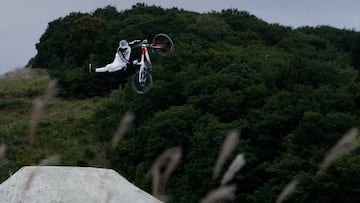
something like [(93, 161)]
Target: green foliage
[(292, 93), (355, 51)]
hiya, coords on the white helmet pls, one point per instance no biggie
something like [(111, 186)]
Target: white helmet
[(123, 45)]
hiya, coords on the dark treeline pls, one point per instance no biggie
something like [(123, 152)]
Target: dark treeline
[(292, 93)]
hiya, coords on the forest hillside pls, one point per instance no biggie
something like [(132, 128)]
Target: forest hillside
[(289, 94)]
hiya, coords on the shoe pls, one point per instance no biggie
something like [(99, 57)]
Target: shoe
[(90, 68)]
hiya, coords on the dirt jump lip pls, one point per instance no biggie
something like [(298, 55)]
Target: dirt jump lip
[(70, 184)]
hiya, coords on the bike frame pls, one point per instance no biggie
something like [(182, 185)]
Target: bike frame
[(143, 65), (162, 45), (145, 57)]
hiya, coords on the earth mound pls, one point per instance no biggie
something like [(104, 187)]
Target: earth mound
[(70, 184)]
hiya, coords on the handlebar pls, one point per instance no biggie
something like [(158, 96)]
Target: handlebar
[(139, 42)]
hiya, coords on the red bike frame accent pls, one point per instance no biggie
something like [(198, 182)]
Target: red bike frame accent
[(157, 46), (143, 50)]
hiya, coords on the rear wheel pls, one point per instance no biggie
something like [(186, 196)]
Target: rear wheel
[(143, 87), (166, 42)]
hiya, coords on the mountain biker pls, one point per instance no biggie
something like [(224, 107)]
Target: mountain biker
[(122, 58)]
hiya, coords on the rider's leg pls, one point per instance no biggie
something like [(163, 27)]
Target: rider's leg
[(115, 67), (102, 69), (111, 67)]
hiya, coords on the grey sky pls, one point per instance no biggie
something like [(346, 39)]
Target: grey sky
[(22, 22)]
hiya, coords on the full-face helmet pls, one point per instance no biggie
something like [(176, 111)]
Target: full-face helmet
[(123, 45)]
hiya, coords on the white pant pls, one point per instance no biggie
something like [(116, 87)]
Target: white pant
[(117, 64)]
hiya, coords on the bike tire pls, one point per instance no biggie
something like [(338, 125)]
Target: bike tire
[(141, 88), (165, 40)]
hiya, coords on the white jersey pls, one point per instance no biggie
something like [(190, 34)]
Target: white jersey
[(125, 55)]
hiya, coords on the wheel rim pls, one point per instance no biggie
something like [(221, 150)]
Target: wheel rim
[(141, 88), (165, 40)]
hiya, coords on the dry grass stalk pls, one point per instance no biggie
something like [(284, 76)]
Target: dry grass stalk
[(162, 168), (39, 106), (220, 194), (228, 146), (38, 111), (2, 150), (343, 146), (288, 189), (235, 166), (124, 126), (52, 160)]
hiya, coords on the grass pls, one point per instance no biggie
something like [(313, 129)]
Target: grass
[(57, 124), (23, 83)]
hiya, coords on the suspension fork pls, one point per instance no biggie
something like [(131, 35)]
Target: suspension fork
[(143, 66), (147, 57)]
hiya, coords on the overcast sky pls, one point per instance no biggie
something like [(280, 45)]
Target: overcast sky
[(22, 22)]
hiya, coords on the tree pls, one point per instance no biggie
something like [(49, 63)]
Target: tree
[(355, 51)]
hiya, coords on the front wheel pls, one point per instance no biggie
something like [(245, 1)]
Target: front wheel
[(145, 85), (165, 44)]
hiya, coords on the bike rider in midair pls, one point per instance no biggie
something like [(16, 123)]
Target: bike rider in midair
[(127, 55), (123, 58)]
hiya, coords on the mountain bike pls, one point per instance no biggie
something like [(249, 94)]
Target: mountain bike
[(142, 81)]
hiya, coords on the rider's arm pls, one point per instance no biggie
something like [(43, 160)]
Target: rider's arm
[(118, 50), (134, 42), (124, 56)]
